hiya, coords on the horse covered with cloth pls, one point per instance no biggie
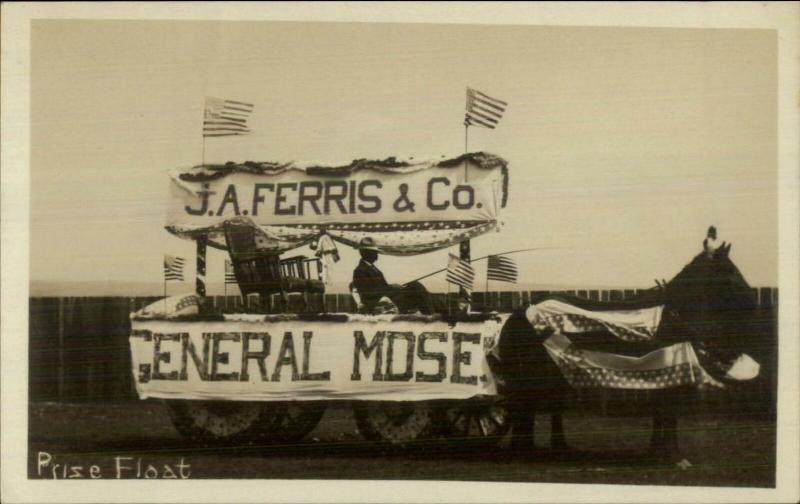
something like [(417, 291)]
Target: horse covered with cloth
[(687, 333)]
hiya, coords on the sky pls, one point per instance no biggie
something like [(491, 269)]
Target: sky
[(624, 144)]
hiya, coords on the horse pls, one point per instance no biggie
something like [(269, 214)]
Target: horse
[(708, 303)]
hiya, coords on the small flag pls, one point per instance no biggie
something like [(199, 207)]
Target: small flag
[(460, 272), (483, 110), (173, 268), (501, 269), (230, 275), (226, 118)]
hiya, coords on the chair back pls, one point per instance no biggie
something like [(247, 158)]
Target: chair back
[(306, 268), (293, 267), (256, 271)]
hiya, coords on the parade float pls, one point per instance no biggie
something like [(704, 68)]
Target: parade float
[(267, 373)]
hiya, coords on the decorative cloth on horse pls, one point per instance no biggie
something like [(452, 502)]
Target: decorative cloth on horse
[(743, 368), (406, 207), (669, 366), (627, 325)]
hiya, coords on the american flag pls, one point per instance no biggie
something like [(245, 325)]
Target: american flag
[(501, 269), (226, 118), (173, 268), (483, 110), (460, 272), (230, 275)]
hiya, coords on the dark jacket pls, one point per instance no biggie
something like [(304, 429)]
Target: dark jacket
[(370, 283)]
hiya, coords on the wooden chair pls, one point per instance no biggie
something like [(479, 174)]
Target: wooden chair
[(302, 267), (264, 272)]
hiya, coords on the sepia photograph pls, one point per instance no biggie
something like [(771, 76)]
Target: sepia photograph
[(306, 252)]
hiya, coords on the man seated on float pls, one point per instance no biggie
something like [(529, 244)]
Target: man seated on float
[(372, 286)]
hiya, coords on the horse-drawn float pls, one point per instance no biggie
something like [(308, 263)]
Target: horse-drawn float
[(267, 373)]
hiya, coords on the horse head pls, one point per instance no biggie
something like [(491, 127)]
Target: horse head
[(710, 303)]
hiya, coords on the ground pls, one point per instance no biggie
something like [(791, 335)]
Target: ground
[(726, 450)]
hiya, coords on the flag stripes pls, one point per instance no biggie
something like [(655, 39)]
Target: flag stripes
[(226, 117), (483, 110), (460, 272), (230, 275), (501, 269), (173, 268)]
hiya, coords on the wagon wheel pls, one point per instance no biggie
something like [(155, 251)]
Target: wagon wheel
[(481, 421), (396, 423), (297, 419), (218, 422)]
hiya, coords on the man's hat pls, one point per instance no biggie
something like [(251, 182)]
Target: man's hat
[(367, 243)]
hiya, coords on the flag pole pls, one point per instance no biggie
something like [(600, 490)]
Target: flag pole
[(165, 294), (464, 246)]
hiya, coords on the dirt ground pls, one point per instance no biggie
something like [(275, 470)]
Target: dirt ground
[(136, 439)]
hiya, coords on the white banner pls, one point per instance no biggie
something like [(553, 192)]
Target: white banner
[(365, 358), (365, 196), (407, 208)]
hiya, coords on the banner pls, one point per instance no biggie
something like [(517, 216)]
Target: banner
[(258, 358), (405, 207)]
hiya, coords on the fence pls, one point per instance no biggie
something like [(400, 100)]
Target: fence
[(78, 346)]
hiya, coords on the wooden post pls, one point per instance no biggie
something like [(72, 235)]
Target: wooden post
[(505, 301), (464, 255), (200, 277), (61, 349), (344, 302), (332, 302)]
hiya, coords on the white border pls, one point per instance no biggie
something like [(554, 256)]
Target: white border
[(15, 212)]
